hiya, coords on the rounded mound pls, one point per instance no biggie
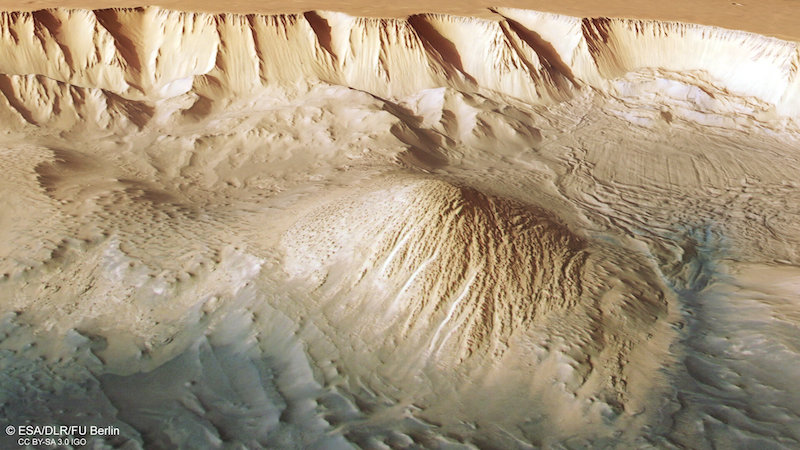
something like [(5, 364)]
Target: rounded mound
[(443, 265)]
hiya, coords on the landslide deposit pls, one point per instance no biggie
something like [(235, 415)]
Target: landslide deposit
[(323, 231)]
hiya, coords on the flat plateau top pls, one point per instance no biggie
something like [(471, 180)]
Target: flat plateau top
[(778, 18)]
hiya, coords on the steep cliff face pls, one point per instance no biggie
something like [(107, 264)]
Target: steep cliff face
[(148, 55)]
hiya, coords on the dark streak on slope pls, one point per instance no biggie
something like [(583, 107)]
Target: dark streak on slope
[(126, 48), (46, 19), (322, 30), (11, 18), (7, 88), (251, 21), (137, 112), (597, 33), (438, 45), (549, 56)]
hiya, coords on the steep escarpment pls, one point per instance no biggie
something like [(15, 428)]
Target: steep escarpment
[(149, 56)]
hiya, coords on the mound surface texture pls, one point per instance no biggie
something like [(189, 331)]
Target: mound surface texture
[(323, 231)]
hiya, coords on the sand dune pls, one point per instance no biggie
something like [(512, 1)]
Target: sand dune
[(320, 230)]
